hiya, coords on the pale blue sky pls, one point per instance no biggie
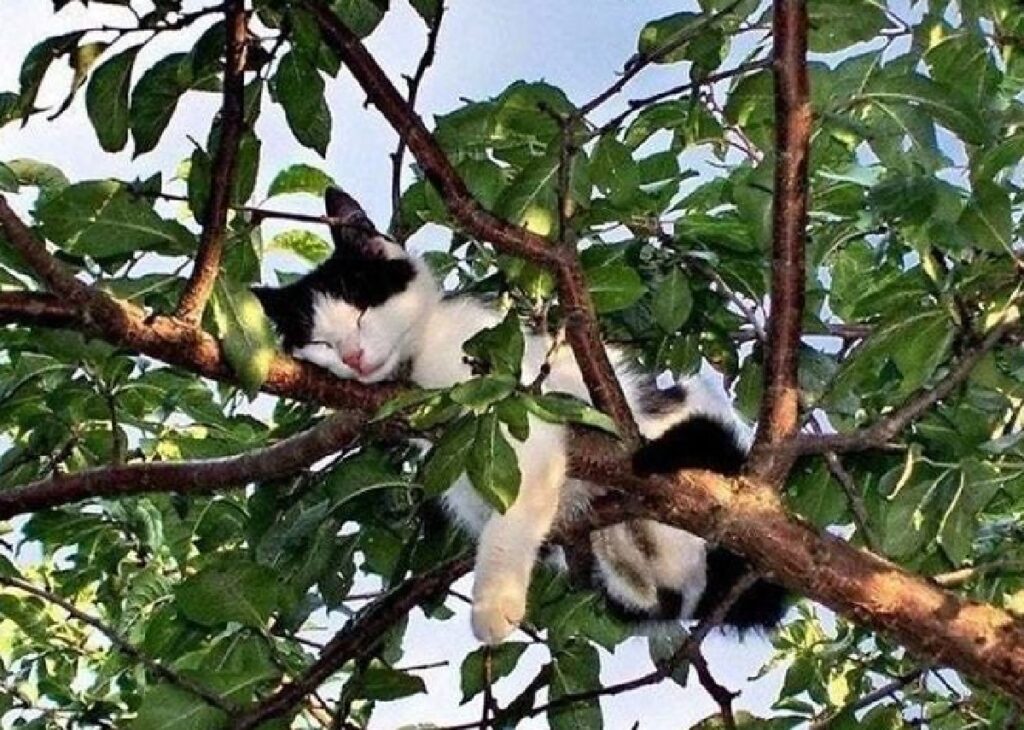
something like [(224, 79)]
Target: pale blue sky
[(485, 44)]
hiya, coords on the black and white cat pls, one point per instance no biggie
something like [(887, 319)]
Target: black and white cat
[(372, 309)]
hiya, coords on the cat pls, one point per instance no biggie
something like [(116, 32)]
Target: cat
[(372, 310)]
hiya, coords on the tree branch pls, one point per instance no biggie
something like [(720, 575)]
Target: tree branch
[(397, 157), (582, 331), (122, 644), (191, 477), (885, 430), (641, 61), (34, 308), (690, 88), (357, 638), (232, 125), (780, 405), (747, 516)]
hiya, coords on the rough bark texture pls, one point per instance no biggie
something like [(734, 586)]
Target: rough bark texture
[(780, 406)]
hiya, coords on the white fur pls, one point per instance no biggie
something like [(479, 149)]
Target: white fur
[(419, 326)]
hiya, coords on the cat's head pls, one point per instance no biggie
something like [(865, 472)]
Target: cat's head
[(358, 313)]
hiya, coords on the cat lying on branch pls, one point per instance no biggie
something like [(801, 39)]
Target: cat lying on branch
[(372, 309)]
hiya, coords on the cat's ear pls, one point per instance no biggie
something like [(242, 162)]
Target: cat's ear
[(274, 301), (354, 229)]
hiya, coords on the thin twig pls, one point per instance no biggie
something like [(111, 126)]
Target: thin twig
[(122, 644), (823, 721), (635, 105), (888, 428), (232, 125), (639, 62), (397, 157)]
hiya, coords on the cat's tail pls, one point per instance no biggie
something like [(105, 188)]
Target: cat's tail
[(652, 572)]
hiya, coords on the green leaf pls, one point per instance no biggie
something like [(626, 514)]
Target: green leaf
[(978, 484), (106, 99), (986, 221), (672, 302), (688, 34), (155, 98), (837, 24), (303, 244), (165, 707), (614, 287), (245, 332), (501, 346), (614, 171), (448, 459), (664, 648), (492, 466), (480, 393), (936, 100), (34, 173), (504, 658), (402, 401), (81, 60), (381, 682), (531, 189), (575, 669), (232, 589), (299, 88), (100, 218), (513, 413), (8, 179), (300, 179), (565, 408), (427, 9), (37, 63), (361, 16)]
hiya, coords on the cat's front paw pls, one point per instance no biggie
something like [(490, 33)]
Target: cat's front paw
[(496, 616)]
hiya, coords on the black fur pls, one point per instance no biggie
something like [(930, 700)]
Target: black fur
[(760, 606), (699, 443), (704, 443), (356, 272)]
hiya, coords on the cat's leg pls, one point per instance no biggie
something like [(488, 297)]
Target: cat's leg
[(509, 543)]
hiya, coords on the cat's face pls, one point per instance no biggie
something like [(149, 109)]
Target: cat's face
[(358, 313)]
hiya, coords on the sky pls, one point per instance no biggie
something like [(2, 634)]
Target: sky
[(484, 45)]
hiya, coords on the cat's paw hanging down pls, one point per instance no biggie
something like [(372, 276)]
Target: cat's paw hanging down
[(371, 309)]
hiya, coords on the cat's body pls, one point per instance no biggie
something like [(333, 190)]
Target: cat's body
[(372, 309)]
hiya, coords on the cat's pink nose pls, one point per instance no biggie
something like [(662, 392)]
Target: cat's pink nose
[(354, 359)]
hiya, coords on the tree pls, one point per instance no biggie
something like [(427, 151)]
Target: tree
[(869, 196)]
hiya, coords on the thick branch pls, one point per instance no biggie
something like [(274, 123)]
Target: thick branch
[(357, 638), (232, 125), (747, 516), (582, 330), (780, 406), (33, 308), (205, 475)]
